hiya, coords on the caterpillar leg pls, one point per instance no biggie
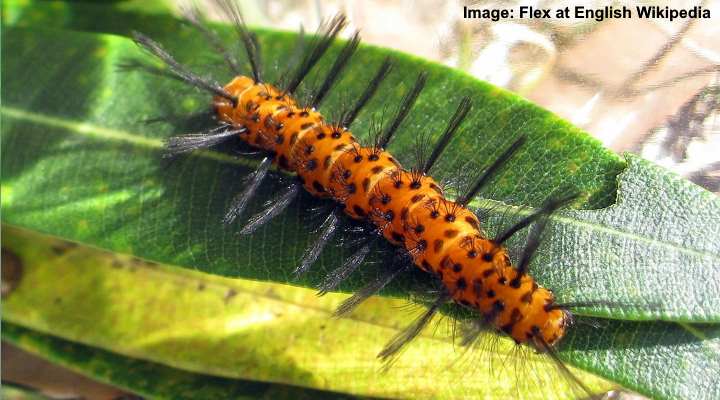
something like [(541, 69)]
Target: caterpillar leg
[(372, 288), (273, 209), (240, 202), (327, 231), (348, 267)]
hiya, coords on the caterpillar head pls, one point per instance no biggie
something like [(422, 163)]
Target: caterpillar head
[(239, 84), (550, 333)]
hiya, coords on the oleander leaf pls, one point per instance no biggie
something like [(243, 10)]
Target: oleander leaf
[(79, 163), (151, 380), (203, 327)]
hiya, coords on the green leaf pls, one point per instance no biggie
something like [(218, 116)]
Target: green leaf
[(81, 166), (84, 103), (655, 251), (82, 15), (11, 392), (121, 17), (230, 328), (149, 379)]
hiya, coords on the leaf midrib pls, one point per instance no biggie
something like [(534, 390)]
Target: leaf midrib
[(713, 349), (95, 131), (632, 235), (99, 132)]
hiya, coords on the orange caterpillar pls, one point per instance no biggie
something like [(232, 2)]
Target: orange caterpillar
[(409, 209), (406, 207)]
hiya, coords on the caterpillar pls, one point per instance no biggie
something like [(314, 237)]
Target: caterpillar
[(406, 207)]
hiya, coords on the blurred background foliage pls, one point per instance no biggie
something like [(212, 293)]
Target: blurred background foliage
[(646, 86)]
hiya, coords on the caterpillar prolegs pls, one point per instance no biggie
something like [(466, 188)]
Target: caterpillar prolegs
[(406, 207)]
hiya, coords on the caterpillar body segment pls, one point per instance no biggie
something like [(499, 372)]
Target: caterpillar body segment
[(408, 208)]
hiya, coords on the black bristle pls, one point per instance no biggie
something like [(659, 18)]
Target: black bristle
[(350, 116), (337, 276), (327, 231), (490, 171), (240, 202), (453, 124), (372, 288), (531, 245), (406, 105), (194, 141), (231, 9), (548, 208), (326, 35), (392, 349), (337, 67), (293, 59), (178, 69), (564, 370), (603, 303), (193, 15), (273, 209)]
